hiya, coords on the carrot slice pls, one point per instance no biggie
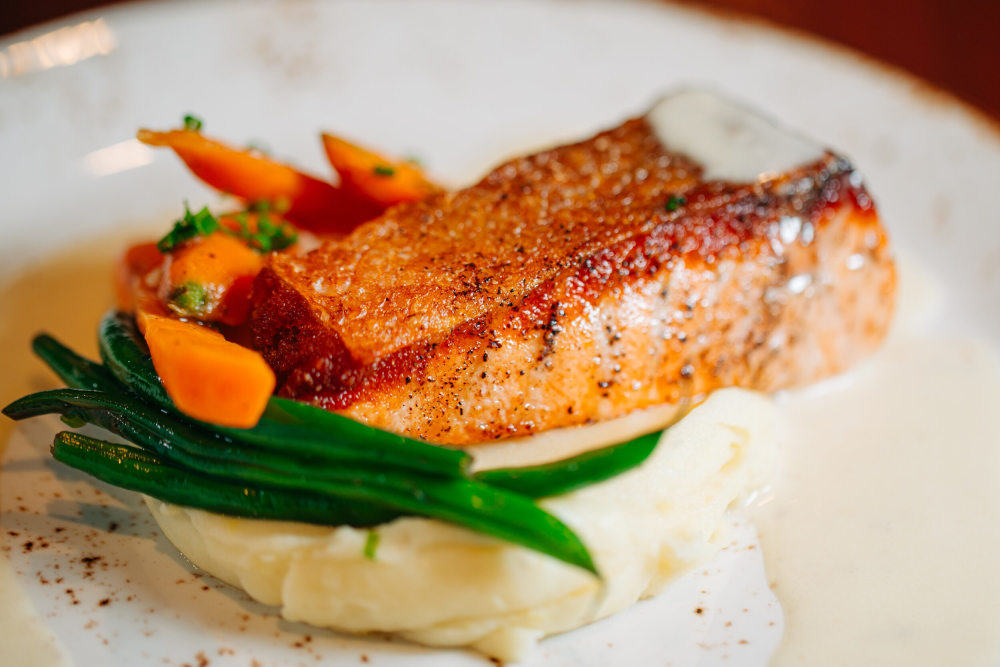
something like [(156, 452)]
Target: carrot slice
[(312, 204), (209, 278), (206, 376), (383, 180), (135, 281)]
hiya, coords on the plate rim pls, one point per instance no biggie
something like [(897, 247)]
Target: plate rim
[(927, 93)]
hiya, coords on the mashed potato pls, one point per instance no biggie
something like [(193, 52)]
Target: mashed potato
[(442, 585)]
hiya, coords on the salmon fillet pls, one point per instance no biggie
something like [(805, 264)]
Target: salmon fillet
[(579, 284)]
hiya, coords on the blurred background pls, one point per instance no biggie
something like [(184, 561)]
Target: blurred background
[(951, 43)]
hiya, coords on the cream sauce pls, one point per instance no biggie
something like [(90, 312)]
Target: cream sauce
[(27, 642), (65, 295), (730, 142), (882, 529)]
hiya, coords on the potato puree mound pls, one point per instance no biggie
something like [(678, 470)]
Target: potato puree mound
[(441, 585)]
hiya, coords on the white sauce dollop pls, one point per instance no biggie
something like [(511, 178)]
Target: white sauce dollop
[(730, 141)]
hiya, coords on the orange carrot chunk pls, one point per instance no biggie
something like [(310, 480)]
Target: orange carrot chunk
[(206, 376), (137, 277), (209, 278), (382, 180), (312, 204)]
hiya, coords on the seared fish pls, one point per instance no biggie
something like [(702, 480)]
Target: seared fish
[(582, 283)]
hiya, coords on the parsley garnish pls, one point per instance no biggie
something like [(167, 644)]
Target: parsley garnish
[(383, 170), (191, 225), (190, 299), (371, 544), (270, 235), (192, 123), (675, 203)]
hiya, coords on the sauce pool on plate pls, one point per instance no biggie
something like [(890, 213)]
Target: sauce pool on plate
[(882, 528)]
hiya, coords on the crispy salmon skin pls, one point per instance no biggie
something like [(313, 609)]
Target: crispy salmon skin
[(578, 284)]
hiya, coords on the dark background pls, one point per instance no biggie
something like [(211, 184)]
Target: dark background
[(953, 44)]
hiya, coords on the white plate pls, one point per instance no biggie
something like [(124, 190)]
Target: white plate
[(461, 85)]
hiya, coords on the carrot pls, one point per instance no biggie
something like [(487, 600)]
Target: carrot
[(313, 204), (205, 375), (382, 180), (137, 279), (209, 278)]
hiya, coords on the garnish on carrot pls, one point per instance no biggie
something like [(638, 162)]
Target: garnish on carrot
[(376, 177), (191, 226), (210, 279), (204, 267), (206, 376), (259, 228), (312, 204)]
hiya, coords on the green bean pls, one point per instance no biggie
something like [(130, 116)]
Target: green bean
[(552, 479), (122, 410), (137, 470), (125, 354), (468, 503), (134, 420), (74, 370), (596, 465), (289, 423)]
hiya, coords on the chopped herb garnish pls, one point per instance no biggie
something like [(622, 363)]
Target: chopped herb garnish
[(675, 203), (191, 225), (371, 544), (383, 170), (270, 235), (189, 299), (192, 123)]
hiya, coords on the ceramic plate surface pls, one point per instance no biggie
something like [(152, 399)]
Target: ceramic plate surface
[(461, 85)]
